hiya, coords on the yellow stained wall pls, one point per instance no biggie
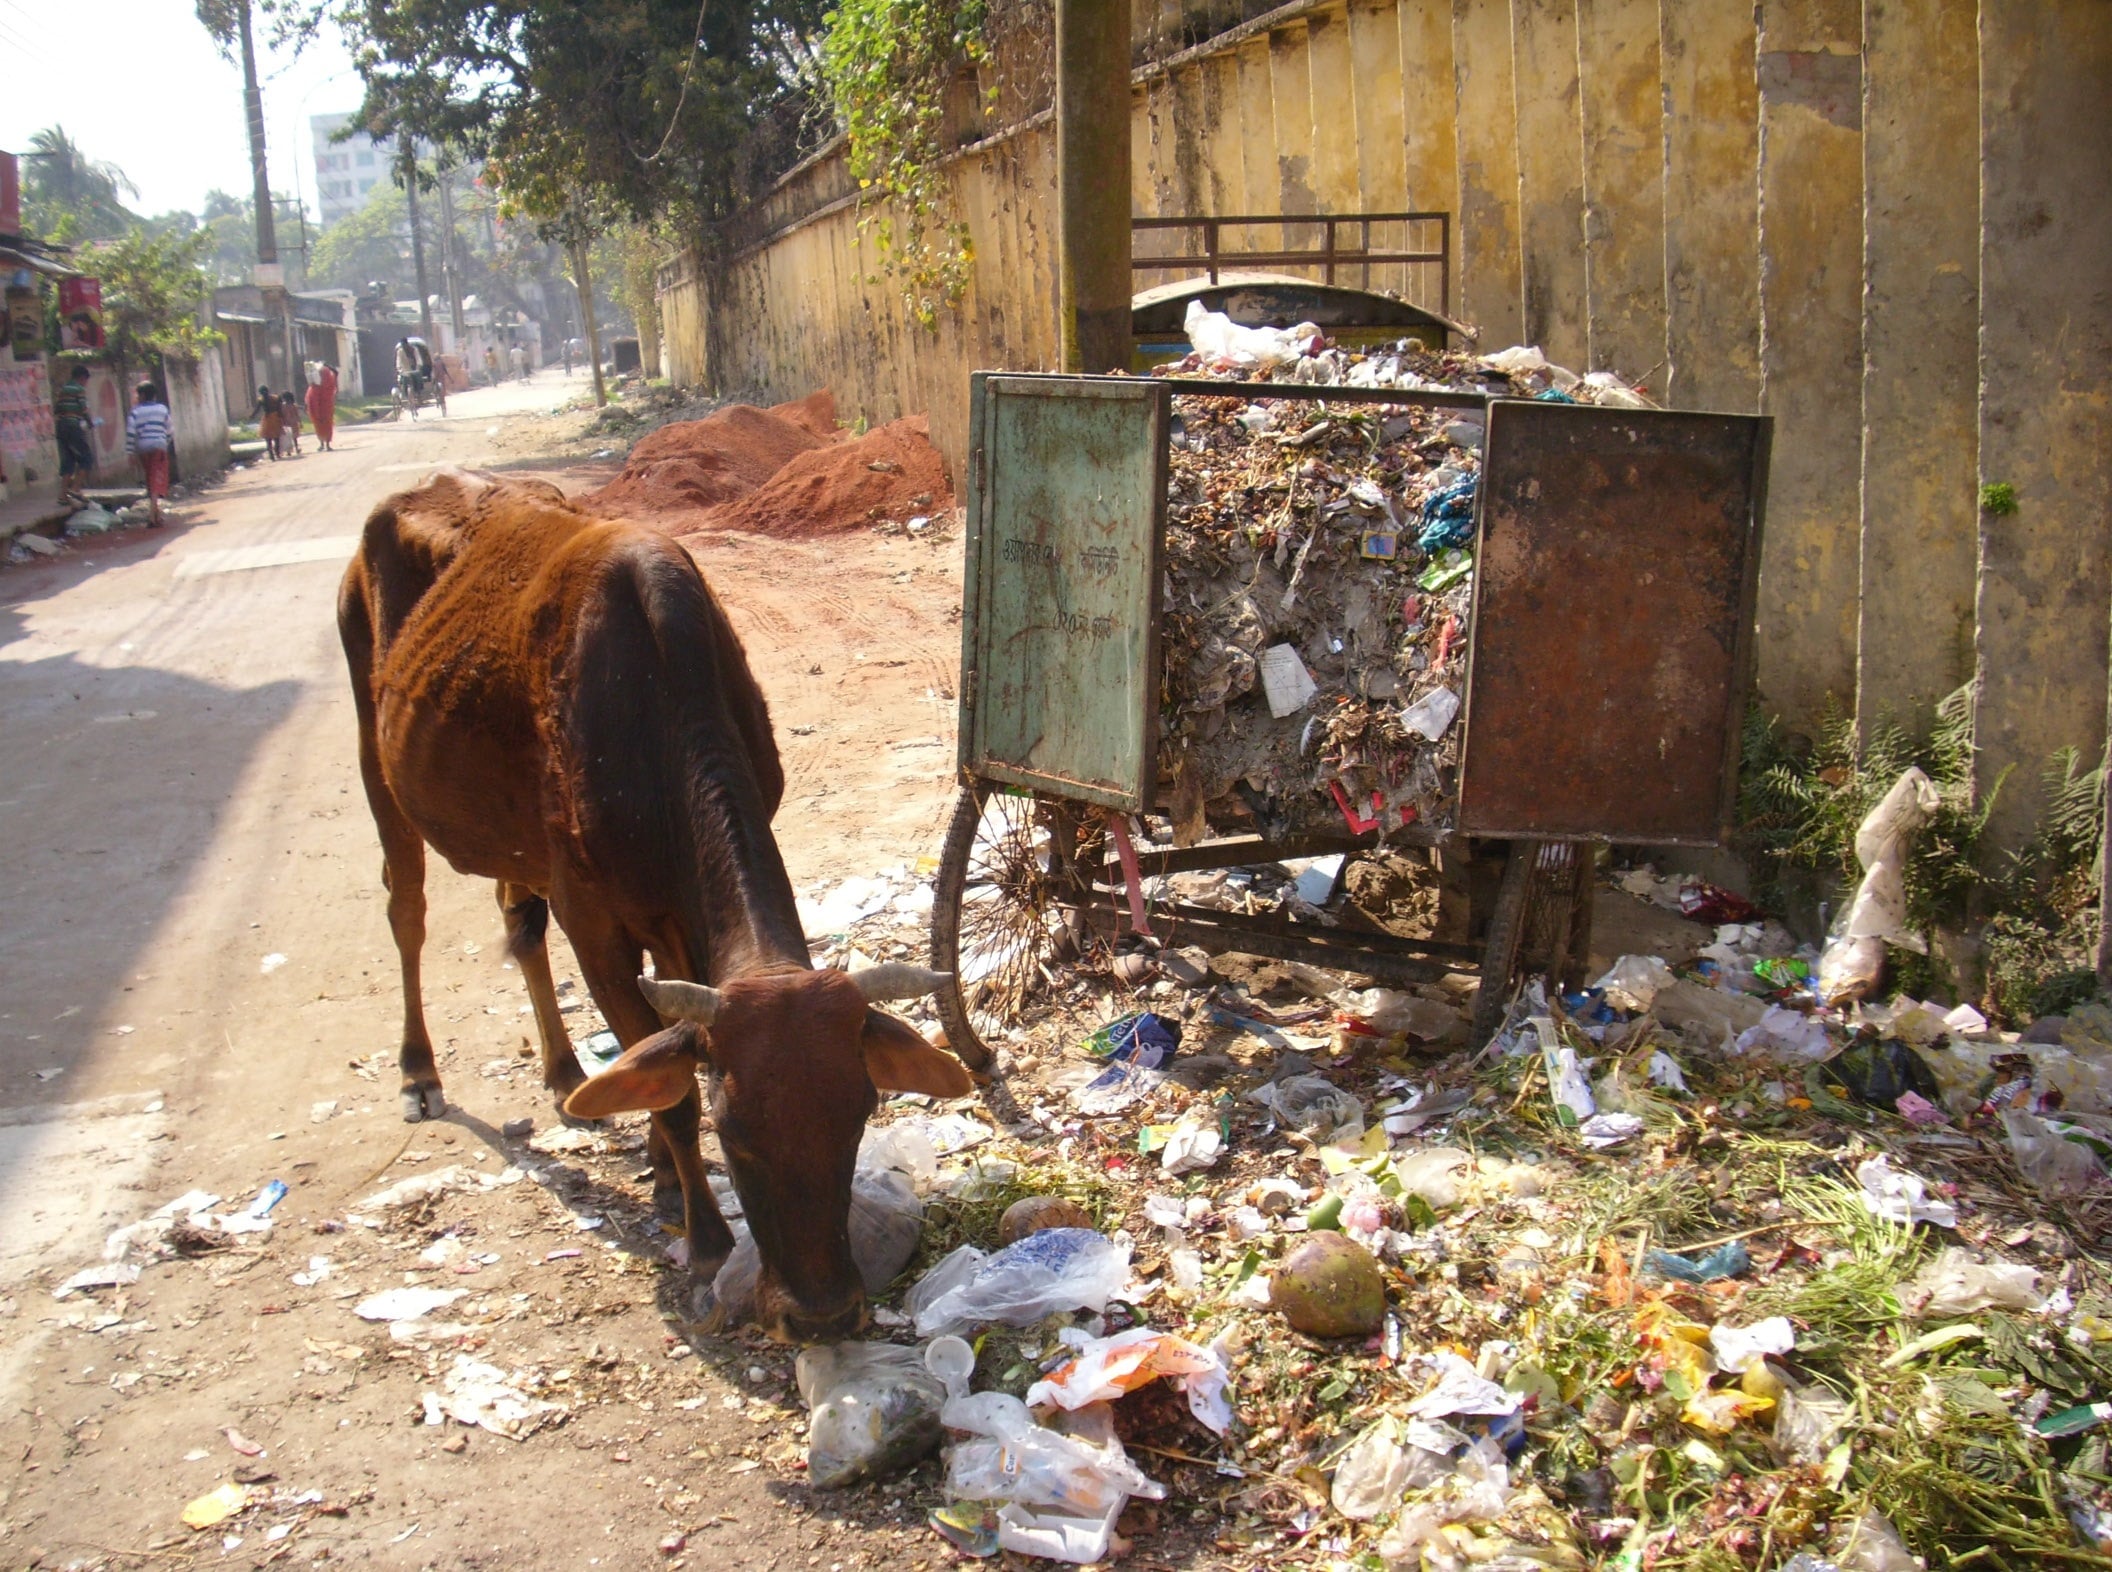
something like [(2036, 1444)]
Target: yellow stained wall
[(1883, 221)]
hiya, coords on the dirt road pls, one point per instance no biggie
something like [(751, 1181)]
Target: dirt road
[(201, 994)]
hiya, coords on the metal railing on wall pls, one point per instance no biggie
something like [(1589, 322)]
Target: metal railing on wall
[(1338, 245)]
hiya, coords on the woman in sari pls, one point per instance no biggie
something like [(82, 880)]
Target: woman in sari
[(322, 406)]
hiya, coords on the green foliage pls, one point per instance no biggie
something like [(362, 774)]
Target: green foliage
[(1998, 497), (372, 243), (1801, 810), (585, 114), (68, 197), (153, 289), (887, 65), (2042, 935)]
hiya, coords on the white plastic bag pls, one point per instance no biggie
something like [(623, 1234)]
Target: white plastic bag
[(1877, 916), (1955, 1284), (1217, 337), (875, 1407), (1056, 1269), (1104, 1368), (1634, 981)]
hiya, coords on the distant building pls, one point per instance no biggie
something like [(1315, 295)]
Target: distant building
[(345, 172)]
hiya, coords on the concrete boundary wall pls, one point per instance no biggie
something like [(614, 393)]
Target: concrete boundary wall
[(1886, 222)]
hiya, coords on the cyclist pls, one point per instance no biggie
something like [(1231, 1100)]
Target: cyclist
[(414, 369)]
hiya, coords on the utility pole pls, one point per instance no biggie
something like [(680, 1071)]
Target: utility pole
[(270, 278), (253, 105), (1092, 184), (450, 261), (408, 153), (586, 315)]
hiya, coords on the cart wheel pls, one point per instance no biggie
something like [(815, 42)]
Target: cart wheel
[(1010, 866)]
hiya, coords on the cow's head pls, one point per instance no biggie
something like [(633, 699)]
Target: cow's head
[(794, 1063)]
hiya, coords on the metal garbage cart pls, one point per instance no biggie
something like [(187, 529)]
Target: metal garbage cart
[(1607, 665)]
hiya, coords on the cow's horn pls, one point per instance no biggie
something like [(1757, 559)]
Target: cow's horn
[(680, 1001), (898, 980)]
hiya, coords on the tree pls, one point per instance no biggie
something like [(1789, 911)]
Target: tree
[(630, 108), (153, 287), (368, 244), (69, 197)]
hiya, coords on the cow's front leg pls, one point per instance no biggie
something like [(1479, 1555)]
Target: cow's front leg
[(679, 1131)]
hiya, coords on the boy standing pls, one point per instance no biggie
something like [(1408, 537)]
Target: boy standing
[(70, 420), (147, 439)]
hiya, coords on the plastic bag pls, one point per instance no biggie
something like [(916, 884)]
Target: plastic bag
[(1786, 1034), (2055, 1165), (1384, 1463), (1899, 1196), (1879, 1072), (1057, 1269), (1106, 1367), (1877, 916), (1217, 337), (1312, 1105), (1391, 1013), (885, 1223), (875, 1407), (1955, 1284), (1634, 981)]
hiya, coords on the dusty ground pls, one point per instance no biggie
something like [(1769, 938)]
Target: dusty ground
[(180, 803)]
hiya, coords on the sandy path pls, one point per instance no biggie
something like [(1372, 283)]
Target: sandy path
[(179, 805)]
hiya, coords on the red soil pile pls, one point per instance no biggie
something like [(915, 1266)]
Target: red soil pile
[(892, 472), (696, 464)]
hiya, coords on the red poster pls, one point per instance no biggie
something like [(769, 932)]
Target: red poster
[(10, 195), (80, 313)]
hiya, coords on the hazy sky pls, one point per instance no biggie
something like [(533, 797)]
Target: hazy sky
[(139, 83)]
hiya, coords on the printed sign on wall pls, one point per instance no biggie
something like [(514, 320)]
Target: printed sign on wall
[(80, 313)]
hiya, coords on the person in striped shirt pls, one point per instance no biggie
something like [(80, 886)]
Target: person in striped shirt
[(72, 424), (147, 436)]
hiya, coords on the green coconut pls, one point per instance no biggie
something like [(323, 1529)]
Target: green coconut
[(1330, 1286)]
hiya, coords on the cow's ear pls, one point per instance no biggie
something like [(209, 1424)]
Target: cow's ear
[(899, 1060), (657, 1072)]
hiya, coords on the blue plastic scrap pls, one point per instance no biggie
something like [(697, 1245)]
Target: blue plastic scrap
[(1448, 515), (1729, 1260)]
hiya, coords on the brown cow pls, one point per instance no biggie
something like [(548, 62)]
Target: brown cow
[(558, 703)]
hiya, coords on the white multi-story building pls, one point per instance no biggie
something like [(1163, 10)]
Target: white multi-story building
[(345, 172)]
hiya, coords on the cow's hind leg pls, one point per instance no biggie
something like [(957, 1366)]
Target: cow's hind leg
[(527, 941)]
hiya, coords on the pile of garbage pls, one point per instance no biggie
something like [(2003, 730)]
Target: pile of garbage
[(1712, 1262), (1320, 563)]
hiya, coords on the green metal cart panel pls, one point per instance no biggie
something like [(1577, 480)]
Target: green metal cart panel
[(1059, 637)]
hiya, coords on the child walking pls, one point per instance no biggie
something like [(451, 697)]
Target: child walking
[(147, 438)]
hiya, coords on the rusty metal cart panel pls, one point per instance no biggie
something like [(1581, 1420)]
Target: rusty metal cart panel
[(1614, 576), (1615, 554)]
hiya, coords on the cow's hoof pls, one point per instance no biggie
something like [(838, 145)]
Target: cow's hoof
[(573, 1121), (423, 1102)]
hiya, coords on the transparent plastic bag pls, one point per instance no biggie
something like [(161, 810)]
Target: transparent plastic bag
[(1312, 1105), (875, 1407), (886, 1221), (1955, 1284), (1057, 1269), (2055, 1165)]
